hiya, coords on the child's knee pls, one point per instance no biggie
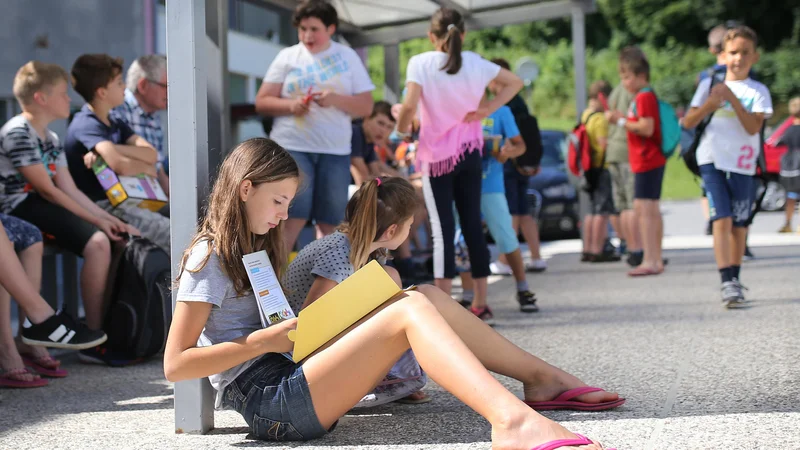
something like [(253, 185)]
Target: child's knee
[(394, 274), (98, 245)]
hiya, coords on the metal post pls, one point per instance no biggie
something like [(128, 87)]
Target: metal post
[(579, 56), (187, 51), (391, 70)]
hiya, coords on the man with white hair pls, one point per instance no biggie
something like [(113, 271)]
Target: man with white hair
[(145, 95)]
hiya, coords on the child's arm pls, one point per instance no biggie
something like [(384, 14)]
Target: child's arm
[(183, 360), (644, 127), (66, 184), (513, 148), (320, 287), (121, 164), (703, 104), (751, 122), (408, 108), (136, 147)]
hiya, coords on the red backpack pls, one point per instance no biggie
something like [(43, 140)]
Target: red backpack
[(579, 153)]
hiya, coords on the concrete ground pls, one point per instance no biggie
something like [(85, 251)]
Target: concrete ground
[(696, 376)]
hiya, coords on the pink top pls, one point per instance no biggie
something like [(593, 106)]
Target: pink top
[(446, 99)]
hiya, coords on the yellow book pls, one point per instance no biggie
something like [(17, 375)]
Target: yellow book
[(341, 307)]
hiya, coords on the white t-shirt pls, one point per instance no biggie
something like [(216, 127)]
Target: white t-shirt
[(322, 130), (725, 142), (445, 100)]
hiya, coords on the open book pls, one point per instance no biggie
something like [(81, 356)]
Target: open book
[(341, 307)]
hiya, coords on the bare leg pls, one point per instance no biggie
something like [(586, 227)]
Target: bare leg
[(16, 281), (481, 291), (445, 284), (599, 233), (738, 243), (650, 223), (588, 229), (9, 356), (291, 230), (530, 231), (325, 229), (616, 224), (632, 235), (31, 259), (343, 372), (517, 265), (790, 205), (722, 230), (94, 277)]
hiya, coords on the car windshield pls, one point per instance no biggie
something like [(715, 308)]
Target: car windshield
[(554, 146)]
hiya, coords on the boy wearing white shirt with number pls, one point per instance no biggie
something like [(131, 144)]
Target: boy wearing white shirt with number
[(728, 153)]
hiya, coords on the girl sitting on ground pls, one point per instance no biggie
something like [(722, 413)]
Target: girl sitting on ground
[(216, 331)]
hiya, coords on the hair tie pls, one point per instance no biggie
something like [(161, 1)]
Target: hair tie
[(450, 27), (378, 180)]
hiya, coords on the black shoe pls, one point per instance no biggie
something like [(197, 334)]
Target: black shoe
[(709, 230), (635, 259), (748, 255), (606, 257), (527, 302), (103, 355), (62, 331)]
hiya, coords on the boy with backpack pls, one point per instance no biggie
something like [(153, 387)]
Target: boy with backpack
[(728, 151), (647, 160), (790, 164), (598, 178)]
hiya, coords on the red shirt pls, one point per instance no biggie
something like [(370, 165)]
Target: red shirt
[(644, 153)]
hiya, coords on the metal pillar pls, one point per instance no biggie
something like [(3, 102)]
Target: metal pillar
[(579, 56), (391, 70), (187, 55)]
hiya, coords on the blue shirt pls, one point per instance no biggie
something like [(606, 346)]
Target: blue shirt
[(83, 134), (146, 125), (500, 123)]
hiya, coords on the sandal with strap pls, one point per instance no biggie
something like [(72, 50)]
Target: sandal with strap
[(14, 378), (553, 445), (566, 401), (44, 365)]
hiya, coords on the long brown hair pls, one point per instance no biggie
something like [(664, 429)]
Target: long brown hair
[(225, 226), (450, 35), (376, 206)]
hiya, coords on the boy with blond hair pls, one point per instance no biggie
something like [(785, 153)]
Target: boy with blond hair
[(728, 152), (36, 186), (94, 133), (646, 158)]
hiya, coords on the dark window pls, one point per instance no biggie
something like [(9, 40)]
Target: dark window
[(262, 21)]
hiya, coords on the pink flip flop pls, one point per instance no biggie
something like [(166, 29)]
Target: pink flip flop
[(565, 401), (37, 364), (11, 379), (553, 445)]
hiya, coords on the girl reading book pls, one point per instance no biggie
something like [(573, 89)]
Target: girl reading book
[(216, 331)]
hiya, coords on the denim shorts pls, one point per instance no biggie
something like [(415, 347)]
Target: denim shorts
[(498, 219), (273, 397), (322, 195), (22, 234), (647, 185), (517, 194), (729, 194)]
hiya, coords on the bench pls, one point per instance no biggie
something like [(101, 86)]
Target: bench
[(70, 296)]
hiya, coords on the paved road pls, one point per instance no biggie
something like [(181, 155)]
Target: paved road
[(696, 376)]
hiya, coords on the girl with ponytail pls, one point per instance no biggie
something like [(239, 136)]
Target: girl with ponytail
[(448, 85), (452, 345)]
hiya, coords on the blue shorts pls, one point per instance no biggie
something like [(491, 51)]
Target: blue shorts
[(517, 194), (647, 185), (322, 195), (495, 212), (729, 194), (793, 195), (273, 397), (22, 234)]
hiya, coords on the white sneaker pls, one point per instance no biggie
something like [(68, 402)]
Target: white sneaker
[(499, 268), (536, 265)]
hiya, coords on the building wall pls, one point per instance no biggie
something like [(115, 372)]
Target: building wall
[(69, 28)]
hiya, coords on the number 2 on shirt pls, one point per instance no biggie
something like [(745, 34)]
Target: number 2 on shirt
[(746, 154)]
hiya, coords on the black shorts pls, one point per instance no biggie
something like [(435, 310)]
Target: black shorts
[(602, 198), (68, 230), (517, 194), (647, 185)]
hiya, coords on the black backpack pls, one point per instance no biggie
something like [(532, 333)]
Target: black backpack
[(141, 310), (529, 130)]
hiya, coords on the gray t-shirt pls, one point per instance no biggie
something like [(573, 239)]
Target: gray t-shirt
[(328, 257), (231, 316), (617, 150)]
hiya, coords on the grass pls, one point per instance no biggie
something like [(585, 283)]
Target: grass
[(679, 183)]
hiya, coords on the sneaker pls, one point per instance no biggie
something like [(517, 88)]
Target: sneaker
[(709, 229), (748, 255), (536, 265), (527, 301), (105, 356), (606, 257), (623, 247), (485, 314), (785, 229), (731, 294), (499, 268), (61, 331)]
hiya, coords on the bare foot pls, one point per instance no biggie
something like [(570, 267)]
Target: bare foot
[(35, 352), (10, 360), (546, 390), (532, 430)]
